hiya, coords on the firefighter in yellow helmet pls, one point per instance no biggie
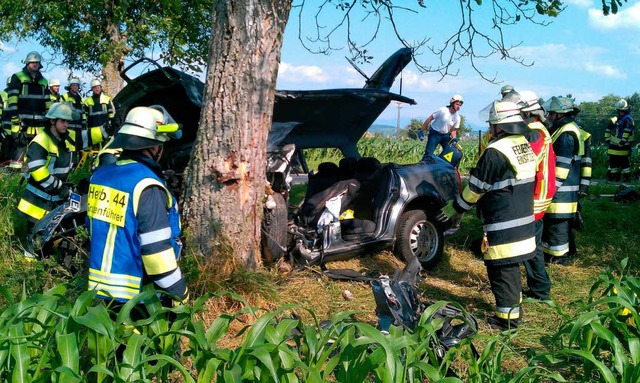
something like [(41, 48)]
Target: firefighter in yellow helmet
[(619, 137), (133, 217), (27, 104), (502, 185), (49, 161)]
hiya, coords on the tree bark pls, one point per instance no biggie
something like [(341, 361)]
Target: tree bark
[(225, 180)]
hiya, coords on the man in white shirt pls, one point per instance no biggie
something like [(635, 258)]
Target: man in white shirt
[(443, 125)]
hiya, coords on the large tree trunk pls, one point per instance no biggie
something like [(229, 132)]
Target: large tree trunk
[(225, 181), (112, 83)]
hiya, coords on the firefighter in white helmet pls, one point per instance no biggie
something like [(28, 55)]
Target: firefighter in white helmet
[(133, 217), (98, 107), (619, 137), (54, 90), (502, 186), (442, 125), (75, 99)]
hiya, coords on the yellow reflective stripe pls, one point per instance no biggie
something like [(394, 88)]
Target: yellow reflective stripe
[(31, 210), (469, 196), (145, 183), (40, 174), (562, 173), (586, 172), (109, 247), (556, 251), (161, 262), (508, 313), (512, 249), (114, 279), (619, 152), (563, 207), (96, 135)]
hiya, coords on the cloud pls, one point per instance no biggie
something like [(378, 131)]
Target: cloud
[(628, 17), (575, 57), (302, 73), (605, 70)]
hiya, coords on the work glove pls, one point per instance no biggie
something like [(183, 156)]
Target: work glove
[(64, 192), (21, 139), (447, 212)]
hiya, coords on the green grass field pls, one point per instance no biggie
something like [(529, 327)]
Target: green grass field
[(587, 333)]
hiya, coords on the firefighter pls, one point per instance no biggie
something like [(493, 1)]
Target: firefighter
[(619, 136), (502, 184), (74, 98), (5, 130), (538, 280), (54, 90), (99, 108), (569, 146), (49, 161), (27, 104), (133, 218)]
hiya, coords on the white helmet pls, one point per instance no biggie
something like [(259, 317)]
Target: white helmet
[(507, 115), (145, 127), (74, 80), (530, 100), (96, 82), (54, 82), (456, 98), (32, 57), (621, 104), (61, 110)]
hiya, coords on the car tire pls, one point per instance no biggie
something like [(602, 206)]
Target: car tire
[(419, 236), (274, 231)]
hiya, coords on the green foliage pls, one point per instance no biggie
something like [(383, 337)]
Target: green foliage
[(594, 117), (89, 34)]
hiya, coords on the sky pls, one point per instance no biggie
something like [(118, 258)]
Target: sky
[(581, 52)]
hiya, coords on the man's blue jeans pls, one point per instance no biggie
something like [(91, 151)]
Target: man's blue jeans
[(433, 140)]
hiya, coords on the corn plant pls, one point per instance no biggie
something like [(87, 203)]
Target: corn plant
[(601, 342)]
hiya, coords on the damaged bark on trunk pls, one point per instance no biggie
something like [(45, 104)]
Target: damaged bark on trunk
[(225, 180)]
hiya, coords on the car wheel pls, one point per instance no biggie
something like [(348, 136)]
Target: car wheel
[(274, 230), (419, 236)]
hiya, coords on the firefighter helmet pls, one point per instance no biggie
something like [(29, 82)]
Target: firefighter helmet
[(507, 115), (60, 110), (96, 82), (506, 89), (54, 82), (530, 101), (456, 98), (621, 104), (32, 57), (74, 80), (145, 127), (559, 105)]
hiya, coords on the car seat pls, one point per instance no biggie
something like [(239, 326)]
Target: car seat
[(347, 168), (313, 207), (326, 176)]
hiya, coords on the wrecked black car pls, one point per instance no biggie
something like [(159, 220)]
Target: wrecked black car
[(357, 206)]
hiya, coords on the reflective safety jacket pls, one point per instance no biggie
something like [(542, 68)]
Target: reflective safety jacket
[(585, 161), (545, 184), (76, 101), (28, 102), (127, 251), (619, 135), (99, 110), (55, 97), (502, 185), (569, 148), (50, 161)]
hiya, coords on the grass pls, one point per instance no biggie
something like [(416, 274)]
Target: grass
[(610, 235)]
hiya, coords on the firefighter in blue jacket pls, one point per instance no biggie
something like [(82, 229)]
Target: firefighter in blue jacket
[(133, 217), (502, 185)]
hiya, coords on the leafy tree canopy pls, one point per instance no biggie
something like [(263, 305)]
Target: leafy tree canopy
[(87, 35)]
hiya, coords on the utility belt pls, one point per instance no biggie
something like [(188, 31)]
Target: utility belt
[(43, 194)]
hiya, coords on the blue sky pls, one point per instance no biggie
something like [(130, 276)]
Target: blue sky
[(581, 52)]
